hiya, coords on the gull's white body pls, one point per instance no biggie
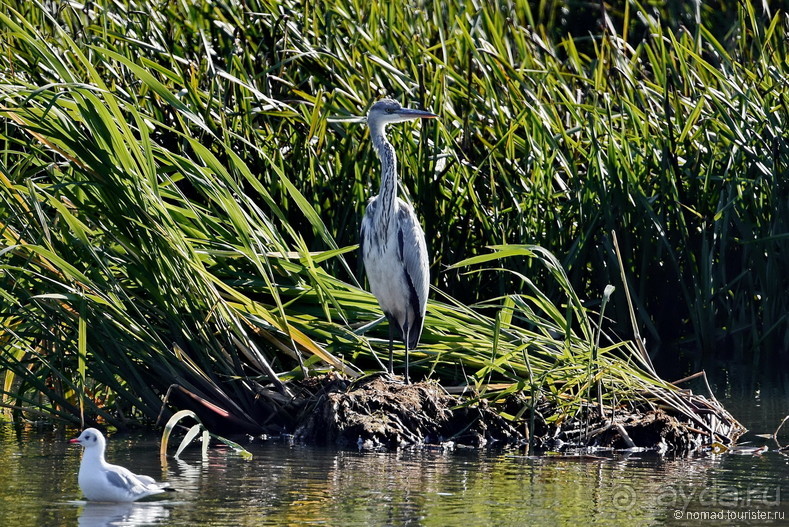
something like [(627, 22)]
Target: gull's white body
[(101, 481)]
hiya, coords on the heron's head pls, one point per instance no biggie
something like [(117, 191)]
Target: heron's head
[(388, 111)]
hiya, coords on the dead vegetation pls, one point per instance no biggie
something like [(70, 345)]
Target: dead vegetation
[(376, 412)]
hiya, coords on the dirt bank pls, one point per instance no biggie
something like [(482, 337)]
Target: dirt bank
[(377, 412)]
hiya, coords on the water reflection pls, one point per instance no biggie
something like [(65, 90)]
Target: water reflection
[(290, 484), (296, 485), (95, 514)]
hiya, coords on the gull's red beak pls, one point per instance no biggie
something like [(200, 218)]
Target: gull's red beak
[(74, 440)]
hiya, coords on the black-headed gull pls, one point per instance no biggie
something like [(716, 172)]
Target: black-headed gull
[(100, 481)]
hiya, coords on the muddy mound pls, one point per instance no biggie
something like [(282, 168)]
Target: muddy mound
[(650, 430), (376, 412)]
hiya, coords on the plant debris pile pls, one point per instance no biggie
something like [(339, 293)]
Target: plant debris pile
[(680, 429), (376, 412)]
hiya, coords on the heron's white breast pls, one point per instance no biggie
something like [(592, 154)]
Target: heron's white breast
[(386, 276)]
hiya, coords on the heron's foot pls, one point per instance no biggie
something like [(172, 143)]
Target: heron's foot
[(391, 377), (382, 374)]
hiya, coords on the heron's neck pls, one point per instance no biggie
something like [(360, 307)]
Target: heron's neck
[(387, 197)]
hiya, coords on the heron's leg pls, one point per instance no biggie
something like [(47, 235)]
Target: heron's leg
[(407, 379), (391, 353), (405, 343)]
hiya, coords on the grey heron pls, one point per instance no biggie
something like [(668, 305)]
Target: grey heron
[(392, 240)]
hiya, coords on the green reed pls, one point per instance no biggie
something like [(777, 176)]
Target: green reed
[(181, 196)]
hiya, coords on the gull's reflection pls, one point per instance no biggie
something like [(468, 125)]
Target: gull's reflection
[(96, 514)]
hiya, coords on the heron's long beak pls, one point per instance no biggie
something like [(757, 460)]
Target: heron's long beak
[(415, 114)]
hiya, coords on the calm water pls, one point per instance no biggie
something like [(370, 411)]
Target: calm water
[(297, 485)]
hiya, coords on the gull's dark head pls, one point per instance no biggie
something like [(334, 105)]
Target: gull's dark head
[(89, 438)]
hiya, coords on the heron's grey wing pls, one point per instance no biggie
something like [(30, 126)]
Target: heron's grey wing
[(413, 253), (367, 229)]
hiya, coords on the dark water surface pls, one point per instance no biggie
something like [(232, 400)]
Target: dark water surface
[(297, 485)]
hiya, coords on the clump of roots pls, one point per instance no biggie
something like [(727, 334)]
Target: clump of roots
[(382, 413), (377, 412)]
